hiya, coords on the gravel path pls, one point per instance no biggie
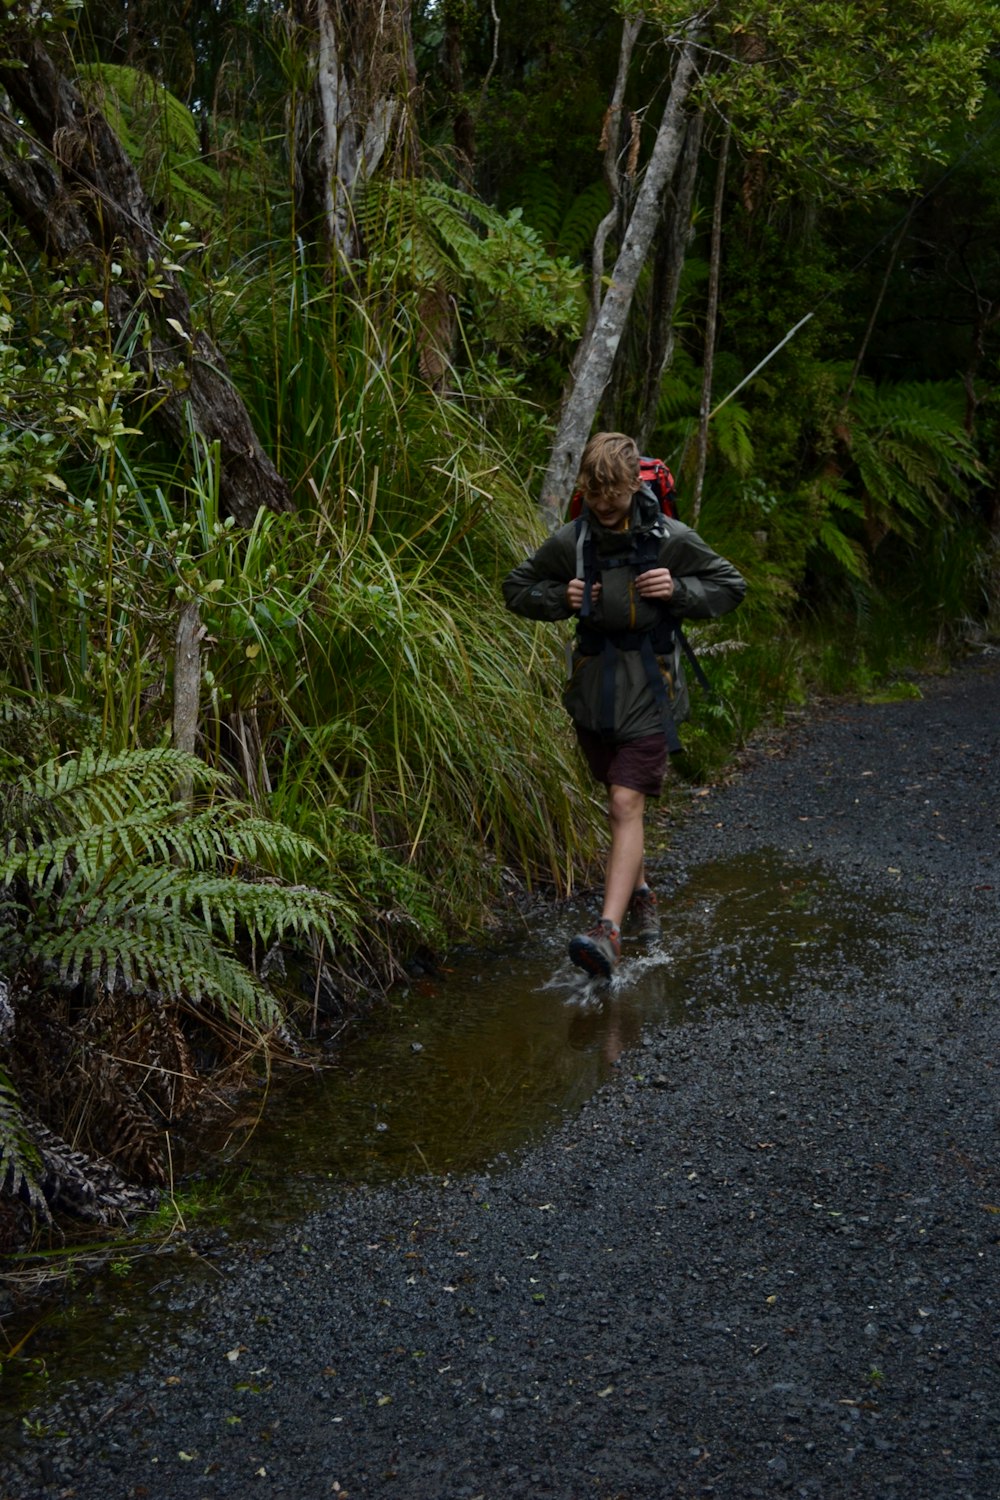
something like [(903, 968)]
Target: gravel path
[(762, 1260)]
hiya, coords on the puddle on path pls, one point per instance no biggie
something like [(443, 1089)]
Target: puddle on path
[(485, 1058), (476, 1064)]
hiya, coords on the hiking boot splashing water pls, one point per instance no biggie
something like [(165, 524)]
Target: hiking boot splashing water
[(644, 915), (598, 950)]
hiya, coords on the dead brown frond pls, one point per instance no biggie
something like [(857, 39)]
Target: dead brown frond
[(632, 160)]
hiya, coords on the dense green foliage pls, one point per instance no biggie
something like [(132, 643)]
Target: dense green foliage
[(378, 743)]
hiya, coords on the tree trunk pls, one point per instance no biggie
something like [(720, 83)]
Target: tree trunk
[(187, 687), (609, 140), (671, 248), (358, 112), (619, 140), (595, 359), (81, 200), (463, 124), (711, 325)]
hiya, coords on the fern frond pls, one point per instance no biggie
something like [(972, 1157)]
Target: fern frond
[(731, 436), (912, 452), (577, 230), (249, 840), (198, 842), (435, 235), (844, 549), (159, 134), (841, 498), (225, 903), (149, 947), (58, 794), (542, 200), (114, 884)]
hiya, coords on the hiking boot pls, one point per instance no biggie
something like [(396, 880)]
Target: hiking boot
[(598, 950), (644, 914)]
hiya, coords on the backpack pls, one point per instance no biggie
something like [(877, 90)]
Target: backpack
[(655, 475)]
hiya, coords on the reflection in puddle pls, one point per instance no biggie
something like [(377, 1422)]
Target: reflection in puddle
[(483, 1060), (461, 1070)]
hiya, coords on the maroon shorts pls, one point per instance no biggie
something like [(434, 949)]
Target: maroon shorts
[(638, 764)]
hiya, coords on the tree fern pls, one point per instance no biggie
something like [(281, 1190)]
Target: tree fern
[(114, 886), (911, 453), (428, 235), (159, 134), (579, 225), (541, 198), (566, 226)]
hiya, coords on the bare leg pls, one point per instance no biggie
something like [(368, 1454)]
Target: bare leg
[(624, 871)]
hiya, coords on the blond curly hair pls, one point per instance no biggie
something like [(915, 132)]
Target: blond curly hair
[(610, 462)]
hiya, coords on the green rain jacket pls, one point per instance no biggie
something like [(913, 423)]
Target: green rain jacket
[(705, 586)]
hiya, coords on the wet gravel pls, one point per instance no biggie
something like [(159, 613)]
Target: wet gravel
[(762, 1260)]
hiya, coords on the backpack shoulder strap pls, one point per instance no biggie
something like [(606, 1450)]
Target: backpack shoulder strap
[(586, 562)]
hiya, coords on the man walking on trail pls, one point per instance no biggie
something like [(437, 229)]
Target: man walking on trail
[(629, 574)]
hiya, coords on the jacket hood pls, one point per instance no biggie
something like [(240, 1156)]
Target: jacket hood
[(646, 515)]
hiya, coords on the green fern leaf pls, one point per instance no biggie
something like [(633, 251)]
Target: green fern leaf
[(577, 230), (847, 552), (542, 200), (456, 243), (118, 887), (911, 450), (731, 436)]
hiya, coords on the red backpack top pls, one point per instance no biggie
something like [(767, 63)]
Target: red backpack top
[(653, 473)]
